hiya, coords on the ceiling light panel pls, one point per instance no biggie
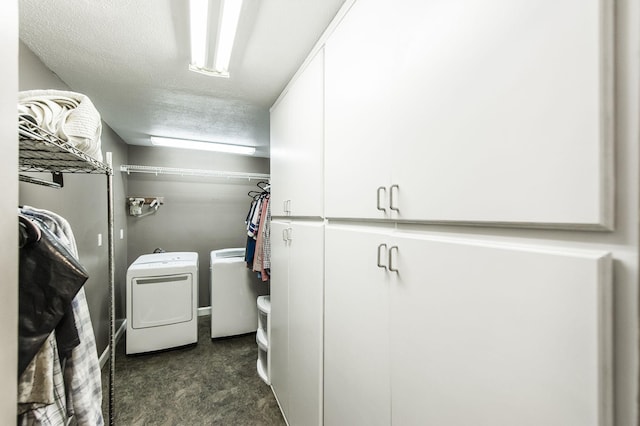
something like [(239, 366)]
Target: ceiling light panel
[(229, 17), (199, 12), (201, 27), (203, 146)]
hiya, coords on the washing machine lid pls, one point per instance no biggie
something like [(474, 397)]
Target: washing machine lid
[(228, 253), (167, 257), (164, 261)]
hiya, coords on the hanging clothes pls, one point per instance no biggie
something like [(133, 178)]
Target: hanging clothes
[(257, 260), (53, 412), (258, 248), (50, 277), (266, 242), (79, 385), (252, 222)]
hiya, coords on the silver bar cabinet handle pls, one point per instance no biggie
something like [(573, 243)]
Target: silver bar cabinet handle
[(380, 265), (379, 200), (392, 200), (391, 263)]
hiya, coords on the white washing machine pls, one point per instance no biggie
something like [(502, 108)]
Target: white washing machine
[(234, 291), (162, 301)]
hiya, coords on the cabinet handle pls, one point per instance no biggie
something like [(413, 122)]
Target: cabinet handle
[(380, 265), (379, 200), (392, 200), (289, 233), (284, 235), (391, 268), (289, 207), (284, 206)]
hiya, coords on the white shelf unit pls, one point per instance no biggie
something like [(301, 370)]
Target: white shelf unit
[(41, 151), (263, 338)]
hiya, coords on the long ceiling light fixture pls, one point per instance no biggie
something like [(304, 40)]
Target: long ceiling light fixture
[(203, 146), (226, 34)]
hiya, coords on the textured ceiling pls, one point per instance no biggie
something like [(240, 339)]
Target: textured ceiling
[(131, 56)]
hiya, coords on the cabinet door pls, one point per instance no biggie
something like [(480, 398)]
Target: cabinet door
[(496, 111), (356, 364), (297, 142), (280, 141), (306, 291), (497, 335), (358, 137), (279, 283), (494, 120)]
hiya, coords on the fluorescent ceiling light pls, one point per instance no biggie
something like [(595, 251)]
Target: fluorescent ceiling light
[(204, 146), (199, 11), (227, 26)]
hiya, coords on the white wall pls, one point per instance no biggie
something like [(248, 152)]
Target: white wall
[(8, 203)]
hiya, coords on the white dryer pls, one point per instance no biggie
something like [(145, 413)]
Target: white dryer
[(162, 301)]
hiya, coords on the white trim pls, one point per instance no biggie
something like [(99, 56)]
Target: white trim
[(105, 354), (279, 405), (607, 114)]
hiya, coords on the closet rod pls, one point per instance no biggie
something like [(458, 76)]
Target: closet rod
[(191, 172)]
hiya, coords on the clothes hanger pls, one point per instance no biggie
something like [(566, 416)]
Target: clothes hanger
[(254, 194)]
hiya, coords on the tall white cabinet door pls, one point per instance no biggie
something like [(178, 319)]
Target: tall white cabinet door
[(356, 353), (496, 111), (358, 135), (504, 111), (496, 335), (279, 283), (297, 145), (280, 175), (306, 308)]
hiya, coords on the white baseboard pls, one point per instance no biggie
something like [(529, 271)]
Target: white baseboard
[(204, 311), (279, 406), (105, 355)]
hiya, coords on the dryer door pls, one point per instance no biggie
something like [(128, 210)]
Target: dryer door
[(162, 300)]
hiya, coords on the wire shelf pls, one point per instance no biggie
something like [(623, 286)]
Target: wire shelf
[(41, 151), (30, 179)]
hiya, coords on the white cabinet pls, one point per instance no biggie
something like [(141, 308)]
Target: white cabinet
[(356, 374), (358, 136), (279, 297), (297, 288), (297, 248), (297, 133), (428, 330), (496, 112)]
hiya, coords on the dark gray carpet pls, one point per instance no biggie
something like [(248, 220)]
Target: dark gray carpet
[(212, 383)]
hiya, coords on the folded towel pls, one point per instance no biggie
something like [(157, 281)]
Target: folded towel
[(70, 116)]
